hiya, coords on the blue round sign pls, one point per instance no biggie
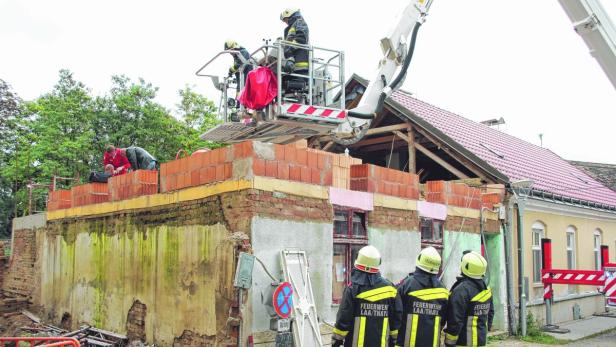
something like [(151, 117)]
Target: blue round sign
[(283, 300)]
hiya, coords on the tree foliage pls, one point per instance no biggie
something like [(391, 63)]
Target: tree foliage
[(64, 132)]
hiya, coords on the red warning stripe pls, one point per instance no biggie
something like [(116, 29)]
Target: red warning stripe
[(327, 112), (310, 110), (293, 108)]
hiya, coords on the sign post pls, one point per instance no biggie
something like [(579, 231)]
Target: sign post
[(282, 300)]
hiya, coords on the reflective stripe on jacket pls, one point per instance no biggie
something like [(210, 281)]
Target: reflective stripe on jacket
[(424, 299), (469, 313), (369, 314), (297, 32)]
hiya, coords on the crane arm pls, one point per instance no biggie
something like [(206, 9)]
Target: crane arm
[(595, 27), (397, 56)]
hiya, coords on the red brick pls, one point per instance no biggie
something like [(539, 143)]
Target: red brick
[(290, 153), (203, 176), (248, 149), (271, 168), (279, 151), (238, 150), (305, 174), (228, 170), (283, 170), (315, 176), (220, 172), (258, 167), (194, 178), (210, 174), (302, 157), (313, 160), (295, 173), (328, 178)]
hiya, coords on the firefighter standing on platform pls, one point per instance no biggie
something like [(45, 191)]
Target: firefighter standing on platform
[(470, 310), (424, 299), (232, 45), (296, 32), (370, 311)]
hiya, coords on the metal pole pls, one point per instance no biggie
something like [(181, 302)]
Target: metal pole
[(240, 341), (546, 264), (519, 206), (509, 268)]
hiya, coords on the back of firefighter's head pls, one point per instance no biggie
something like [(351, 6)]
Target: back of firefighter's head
[(473, 265), (368, 259), (429, 260), (231, 44), (288, 13)]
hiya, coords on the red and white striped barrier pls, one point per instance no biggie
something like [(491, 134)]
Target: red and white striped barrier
[(313, 113), (610, 288)]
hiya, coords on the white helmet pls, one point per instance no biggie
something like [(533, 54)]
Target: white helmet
[(368, 259)]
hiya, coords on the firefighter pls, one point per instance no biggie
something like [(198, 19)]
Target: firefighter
[(295, 32), (424, 299), (232, 45), (470, 310), (370, 311)]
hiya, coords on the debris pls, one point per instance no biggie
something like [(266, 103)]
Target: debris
[(30, 315)]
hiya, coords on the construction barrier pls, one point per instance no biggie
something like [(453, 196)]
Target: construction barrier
[(605, 278), (35, 341)]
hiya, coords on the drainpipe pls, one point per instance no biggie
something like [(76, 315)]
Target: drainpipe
[(509, 265), (519, 208)]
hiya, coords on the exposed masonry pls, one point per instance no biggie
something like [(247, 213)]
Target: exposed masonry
[(21, 278), (135, 322)]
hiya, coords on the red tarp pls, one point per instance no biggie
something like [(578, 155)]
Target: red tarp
[(260, 89)]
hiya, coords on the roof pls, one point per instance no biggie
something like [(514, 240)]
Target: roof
[(604, 173), (509, 155)]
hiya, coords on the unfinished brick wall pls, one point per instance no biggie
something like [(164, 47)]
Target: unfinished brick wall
[(21, 277), (389, 218), (192, 339)]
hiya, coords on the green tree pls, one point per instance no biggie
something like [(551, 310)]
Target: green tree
[(199, 115)]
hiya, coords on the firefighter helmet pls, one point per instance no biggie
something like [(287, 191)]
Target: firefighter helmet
[(231, 44), (368, 259), (288, 13), (429, 260), (473, 265)]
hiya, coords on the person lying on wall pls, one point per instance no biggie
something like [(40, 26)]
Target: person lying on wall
[(118, 161)]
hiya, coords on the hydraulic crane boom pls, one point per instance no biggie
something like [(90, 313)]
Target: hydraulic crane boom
[(595, 27), (397, 55)]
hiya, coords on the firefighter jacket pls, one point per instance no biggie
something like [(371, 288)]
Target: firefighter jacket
[(469, 313), (237, 63), (424, 299), (297, 32), (369, 313), (139, 158)]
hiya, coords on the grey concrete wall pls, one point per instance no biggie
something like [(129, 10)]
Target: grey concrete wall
[(398, 249), (562, 310), (269, 237), (34, 221)]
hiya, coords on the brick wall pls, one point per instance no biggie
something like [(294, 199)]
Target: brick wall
[(22, 276), (393, 219)]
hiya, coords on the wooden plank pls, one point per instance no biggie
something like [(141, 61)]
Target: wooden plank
[(373, 141), (412, 158), (440, 161), (386, 129), (328, 146)]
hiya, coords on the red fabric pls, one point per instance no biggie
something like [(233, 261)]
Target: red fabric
[(260, 89), (118, 159)]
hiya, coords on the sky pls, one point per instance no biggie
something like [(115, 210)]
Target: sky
[(483, 59)]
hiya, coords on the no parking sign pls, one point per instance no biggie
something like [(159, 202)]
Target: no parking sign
[(283, 300)]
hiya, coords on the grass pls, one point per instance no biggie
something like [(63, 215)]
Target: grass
[(535, 335)]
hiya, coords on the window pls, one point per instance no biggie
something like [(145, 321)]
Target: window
[(597, 248), (431, 233), (571, 262), (571, 248), (350, 236), (538, 233)]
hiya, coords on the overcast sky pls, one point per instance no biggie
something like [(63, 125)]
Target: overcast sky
[(484, 59)]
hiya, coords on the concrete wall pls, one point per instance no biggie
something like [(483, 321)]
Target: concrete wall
[(399, 249), (180, 273)]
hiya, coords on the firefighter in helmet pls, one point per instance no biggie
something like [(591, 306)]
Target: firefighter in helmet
[(370, 310), (424, 299), (295, 32), (470, 310), (232, 45)]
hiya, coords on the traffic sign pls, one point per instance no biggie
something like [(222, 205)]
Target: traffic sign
[(283, 300)]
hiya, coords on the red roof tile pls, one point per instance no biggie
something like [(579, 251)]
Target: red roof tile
[(515, 158)]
